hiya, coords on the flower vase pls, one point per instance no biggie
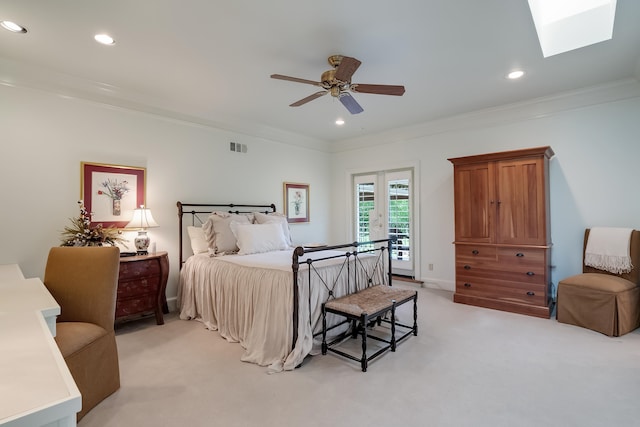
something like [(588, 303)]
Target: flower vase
[(116, 207)]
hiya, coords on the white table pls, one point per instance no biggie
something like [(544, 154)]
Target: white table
[(37, 388), (10, 272)]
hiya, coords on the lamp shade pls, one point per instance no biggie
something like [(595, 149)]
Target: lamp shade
[(142, 219)]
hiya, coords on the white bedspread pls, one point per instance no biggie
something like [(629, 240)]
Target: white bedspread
[(249, 299)]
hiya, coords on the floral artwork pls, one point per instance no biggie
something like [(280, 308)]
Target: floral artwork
[(83, 233), (115, 191), (112, 192), (296, 202)]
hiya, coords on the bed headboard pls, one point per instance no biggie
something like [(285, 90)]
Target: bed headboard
[(197, 214)]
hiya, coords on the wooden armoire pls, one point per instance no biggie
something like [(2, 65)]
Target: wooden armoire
[(502, 231)]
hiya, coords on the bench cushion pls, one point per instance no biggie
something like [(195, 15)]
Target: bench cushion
[(369, 300)]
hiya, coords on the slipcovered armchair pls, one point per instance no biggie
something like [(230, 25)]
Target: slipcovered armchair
[(602, 301), (84, 281)]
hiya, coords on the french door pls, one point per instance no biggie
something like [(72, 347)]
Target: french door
[(384, 208)]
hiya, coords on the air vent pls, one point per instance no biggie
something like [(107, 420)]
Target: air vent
[(237, 147)]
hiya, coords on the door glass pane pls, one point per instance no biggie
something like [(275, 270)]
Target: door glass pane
[(365, 204), (399, 218)]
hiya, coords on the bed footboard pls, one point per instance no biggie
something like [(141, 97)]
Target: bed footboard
[(357, 273)]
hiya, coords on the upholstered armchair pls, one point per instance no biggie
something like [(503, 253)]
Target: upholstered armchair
[(604, 302), (84, 282)]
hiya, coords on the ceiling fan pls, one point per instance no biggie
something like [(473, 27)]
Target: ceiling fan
[(337, 82)]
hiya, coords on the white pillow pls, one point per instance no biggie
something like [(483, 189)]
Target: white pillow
[(198, 241), (262, 218), (258, 238), (218, 233)]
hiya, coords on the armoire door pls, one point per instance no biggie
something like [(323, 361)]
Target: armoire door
[(474, 202), (521, 202)]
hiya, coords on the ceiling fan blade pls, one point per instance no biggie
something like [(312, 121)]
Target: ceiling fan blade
[(350, 103), (347, 67), (309, 98), (378, 89), (295, 79)]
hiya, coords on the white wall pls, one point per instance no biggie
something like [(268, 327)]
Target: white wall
[(594, 176), (45, 137)]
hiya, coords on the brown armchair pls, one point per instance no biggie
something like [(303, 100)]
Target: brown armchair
[(84, 281), (602, 301)]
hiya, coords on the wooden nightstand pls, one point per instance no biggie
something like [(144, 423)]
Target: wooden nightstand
[(141, 287)]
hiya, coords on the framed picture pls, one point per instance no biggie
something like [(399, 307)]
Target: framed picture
[(111, 192), (296, 202)]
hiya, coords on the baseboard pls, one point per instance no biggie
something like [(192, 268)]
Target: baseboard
[(407, 279)]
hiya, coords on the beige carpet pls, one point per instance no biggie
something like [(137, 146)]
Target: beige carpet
[(467, 367)]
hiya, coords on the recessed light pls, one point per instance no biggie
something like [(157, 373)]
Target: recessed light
[(13, 27), (104, 39), (516, 74), (339, 122)]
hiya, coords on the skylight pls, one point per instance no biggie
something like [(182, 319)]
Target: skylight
[(565, 25)]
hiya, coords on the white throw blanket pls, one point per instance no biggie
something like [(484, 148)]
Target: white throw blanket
[(608, 249)]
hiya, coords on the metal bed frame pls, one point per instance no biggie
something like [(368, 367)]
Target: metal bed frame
[(352, 250)]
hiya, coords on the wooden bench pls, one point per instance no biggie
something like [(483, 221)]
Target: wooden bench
[(366, 308)]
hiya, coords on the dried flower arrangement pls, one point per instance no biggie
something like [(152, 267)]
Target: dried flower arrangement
[(81, 233)]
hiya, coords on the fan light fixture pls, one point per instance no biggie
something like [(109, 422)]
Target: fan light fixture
[(142, 219), (13, 27), (571, 24), (337, 82)]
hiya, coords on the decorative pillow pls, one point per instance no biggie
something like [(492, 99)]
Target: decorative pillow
[(218, 232), (258, 238), (198, 240), (262, 218)]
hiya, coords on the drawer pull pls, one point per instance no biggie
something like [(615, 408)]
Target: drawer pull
[(520, 255), (467, 285), (530, 273), (475, 252), (531, 293), (467, 267)]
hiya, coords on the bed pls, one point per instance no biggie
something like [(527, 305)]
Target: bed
[(256, 290)]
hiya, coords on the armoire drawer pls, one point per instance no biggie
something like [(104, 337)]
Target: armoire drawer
[(530, 274), (516, 292), (476, 253), (522, 256)]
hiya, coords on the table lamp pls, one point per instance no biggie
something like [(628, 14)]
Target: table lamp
[(142, 219)]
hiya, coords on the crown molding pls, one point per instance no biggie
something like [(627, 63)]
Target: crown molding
[(504, 114), (64, 85), (71, 87)]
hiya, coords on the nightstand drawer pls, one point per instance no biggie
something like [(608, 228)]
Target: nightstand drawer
[(142, 286), (129, 307), (132, 270)]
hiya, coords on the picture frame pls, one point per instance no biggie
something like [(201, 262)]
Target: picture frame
[(110, 193), (296, 202)]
